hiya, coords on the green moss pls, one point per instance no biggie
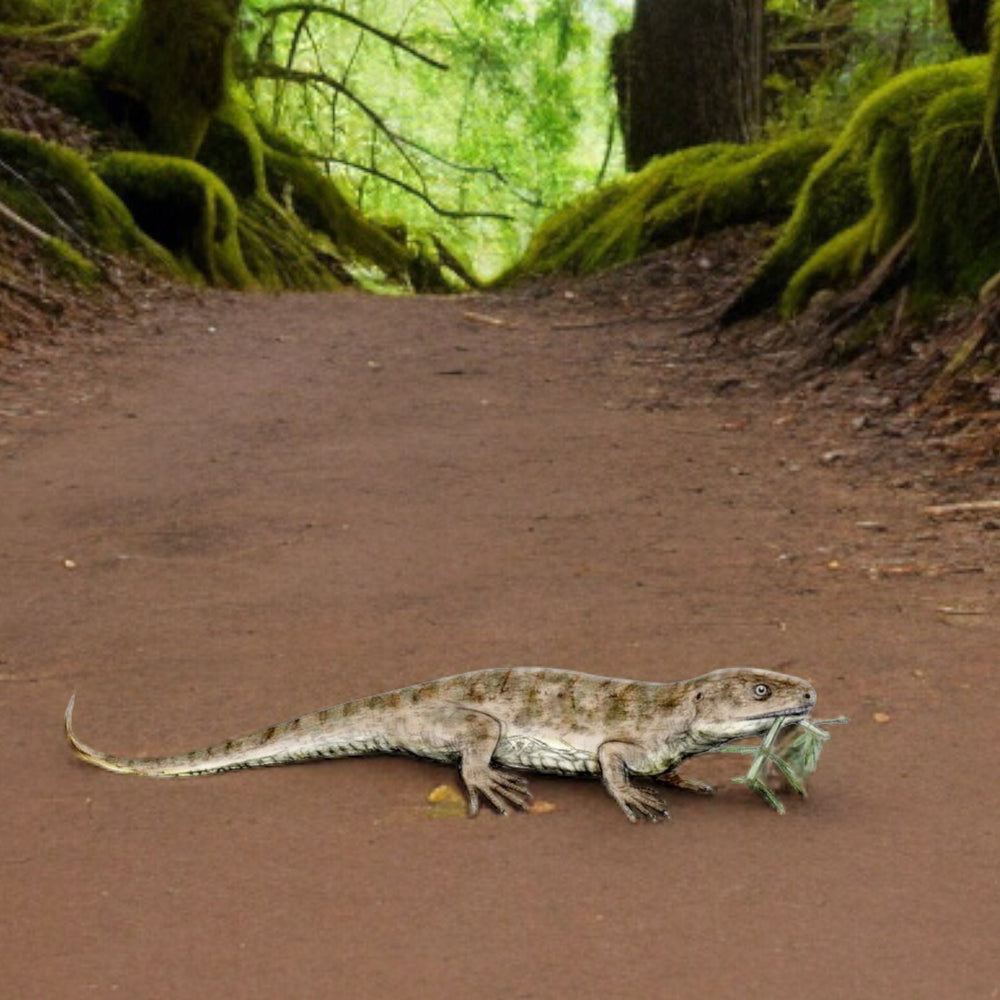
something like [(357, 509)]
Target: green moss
[(426, 272), (282, 253), (605, 227), (958, 232), (845, 257), (560, 240), (65, 262), (72, 90), (31, 12), (891, 186), (318, 202), (991, 111), (841, 189), (22, 199), (60, 188), (837, 263), (167, 70), (758, 187), (933, 174), (186, 208), (232, 148), (689, 192), (276, 139)]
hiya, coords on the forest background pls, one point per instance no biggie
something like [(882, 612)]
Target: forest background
[(436, 146), (497, 112)]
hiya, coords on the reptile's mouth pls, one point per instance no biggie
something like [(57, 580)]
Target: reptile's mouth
[(804, 710)]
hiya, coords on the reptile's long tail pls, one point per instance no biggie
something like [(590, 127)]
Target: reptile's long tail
[(108, 761), (282, 744)]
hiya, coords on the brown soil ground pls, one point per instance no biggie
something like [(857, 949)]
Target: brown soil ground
[(221, 513)]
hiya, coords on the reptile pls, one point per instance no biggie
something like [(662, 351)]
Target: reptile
[(537, 719)]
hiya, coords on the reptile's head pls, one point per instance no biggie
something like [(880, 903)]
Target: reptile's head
[(737, 702)]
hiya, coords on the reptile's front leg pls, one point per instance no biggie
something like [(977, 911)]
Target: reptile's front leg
[(616, 759), (688, 784)]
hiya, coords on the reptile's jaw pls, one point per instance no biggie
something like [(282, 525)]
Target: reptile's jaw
[(747, 726), (789, 712)]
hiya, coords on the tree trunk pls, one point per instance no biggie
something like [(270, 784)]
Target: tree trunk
[(969, 20), (687, 73), (167, 70)]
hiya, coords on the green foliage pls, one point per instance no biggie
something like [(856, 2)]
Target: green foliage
[(517, 121), (30, 12), (826, 58)]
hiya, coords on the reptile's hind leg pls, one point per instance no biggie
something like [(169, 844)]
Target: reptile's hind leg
[(471, 736), (480, 735)]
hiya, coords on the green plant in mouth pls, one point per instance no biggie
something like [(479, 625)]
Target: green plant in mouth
[(796, 761)]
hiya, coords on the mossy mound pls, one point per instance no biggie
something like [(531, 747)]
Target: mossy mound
[(958, 213), (185, 208), (233, 202), (693, 191), (78, 205), (874, 183)]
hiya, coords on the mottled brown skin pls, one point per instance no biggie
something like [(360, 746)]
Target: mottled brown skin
[(530, 718)]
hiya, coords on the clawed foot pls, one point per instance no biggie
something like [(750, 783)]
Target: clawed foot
[(640, 803), (503, 790), (688, 784)]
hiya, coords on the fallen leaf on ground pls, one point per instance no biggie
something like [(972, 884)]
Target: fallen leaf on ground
[(541, 806), (444, 793)]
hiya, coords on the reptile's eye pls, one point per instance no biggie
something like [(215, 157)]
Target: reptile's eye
[(761, 691)]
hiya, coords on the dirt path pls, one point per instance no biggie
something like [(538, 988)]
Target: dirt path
[(272, 505)]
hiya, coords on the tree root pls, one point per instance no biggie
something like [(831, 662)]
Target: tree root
[(884, 279)]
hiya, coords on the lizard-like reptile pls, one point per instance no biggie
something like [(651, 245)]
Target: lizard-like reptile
[(531, 718)]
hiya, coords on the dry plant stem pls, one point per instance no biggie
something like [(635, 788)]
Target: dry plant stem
[(964, 507)]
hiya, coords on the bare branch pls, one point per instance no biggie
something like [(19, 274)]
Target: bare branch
[(447, 213), (467, 168), (272, 71), (321, 8), (11, 216)]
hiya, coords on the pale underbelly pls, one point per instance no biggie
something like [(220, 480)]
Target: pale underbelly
[(532, 754)]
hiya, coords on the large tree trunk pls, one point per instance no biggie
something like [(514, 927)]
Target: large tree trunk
[(168, 69), (969, 20), (688, 73)]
